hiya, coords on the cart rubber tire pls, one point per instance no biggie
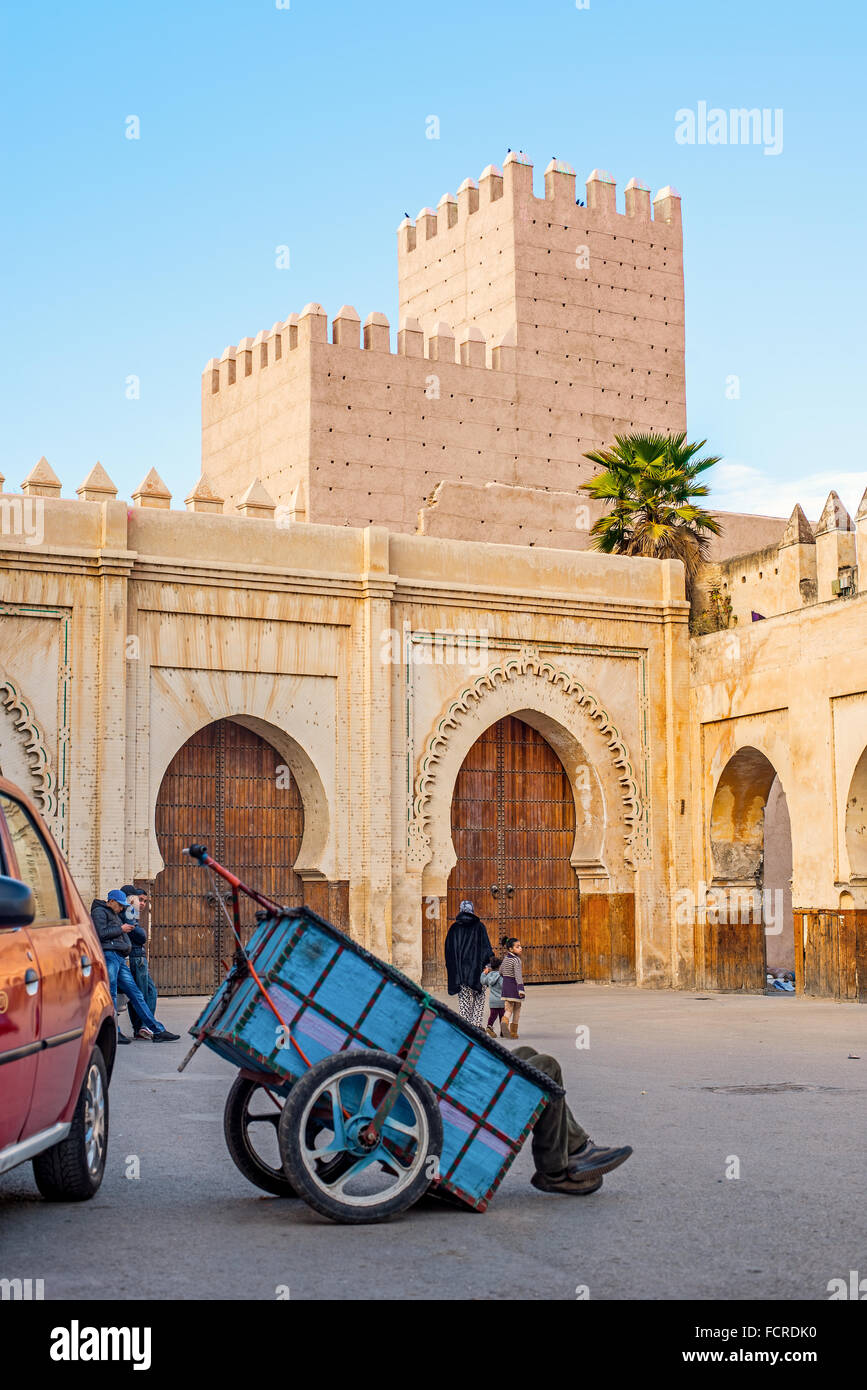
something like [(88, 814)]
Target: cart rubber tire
[(72, 1170), (330, 1068), (242, 1154)]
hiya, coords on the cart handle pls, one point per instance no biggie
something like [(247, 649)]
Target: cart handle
[(200, 853)]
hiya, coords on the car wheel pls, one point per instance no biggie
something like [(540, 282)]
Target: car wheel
[(72, 1170)]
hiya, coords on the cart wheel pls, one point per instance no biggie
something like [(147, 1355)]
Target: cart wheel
[(250, 1123), (320, 1138)]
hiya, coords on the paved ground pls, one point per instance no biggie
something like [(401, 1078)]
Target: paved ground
[(667, 1225)]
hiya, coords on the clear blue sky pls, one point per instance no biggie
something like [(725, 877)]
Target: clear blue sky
[(306, 126)]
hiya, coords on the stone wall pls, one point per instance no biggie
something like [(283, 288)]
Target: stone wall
[(532, 330), (369, 660)]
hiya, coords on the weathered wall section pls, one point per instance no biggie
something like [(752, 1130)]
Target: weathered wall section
[(811, 562), (789, 696), (125, 630), (591, 298)]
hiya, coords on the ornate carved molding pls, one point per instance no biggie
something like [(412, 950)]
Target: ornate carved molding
[(35, 750), (527, 662)]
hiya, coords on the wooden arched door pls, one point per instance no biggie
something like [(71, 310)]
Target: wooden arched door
[(513, 827), (226, 788)]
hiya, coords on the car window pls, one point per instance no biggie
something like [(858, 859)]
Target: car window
[(35, 862)]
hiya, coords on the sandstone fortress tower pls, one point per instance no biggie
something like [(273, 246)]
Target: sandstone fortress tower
[(532, 329)]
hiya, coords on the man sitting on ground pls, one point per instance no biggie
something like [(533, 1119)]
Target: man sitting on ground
[(566, 1159)]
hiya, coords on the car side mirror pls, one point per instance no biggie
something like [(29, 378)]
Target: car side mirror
[(17, 908)]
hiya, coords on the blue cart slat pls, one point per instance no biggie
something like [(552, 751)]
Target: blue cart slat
[(334, 997)]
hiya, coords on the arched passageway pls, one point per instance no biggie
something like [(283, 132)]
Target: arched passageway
[(856, 822), (513, 827), (835, 941), (229, 789), (777, 882), (746, 920)]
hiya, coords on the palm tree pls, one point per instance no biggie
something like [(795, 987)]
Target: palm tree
[(651, 482)]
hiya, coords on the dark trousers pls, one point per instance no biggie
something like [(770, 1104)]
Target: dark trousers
[(495, 1013), (556, 1134)]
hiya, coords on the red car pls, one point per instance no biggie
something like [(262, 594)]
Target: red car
[(58, 1034)]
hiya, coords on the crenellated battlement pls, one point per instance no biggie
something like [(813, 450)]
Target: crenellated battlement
[(810, 563), (531, 330), (577, 282), (513, 186), (42, 484), (273, 347)]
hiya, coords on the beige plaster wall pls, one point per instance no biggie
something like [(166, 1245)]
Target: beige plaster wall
[(170, 620)]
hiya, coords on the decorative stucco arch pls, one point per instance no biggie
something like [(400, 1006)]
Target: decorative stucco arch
[(32, 752), (601, 773)]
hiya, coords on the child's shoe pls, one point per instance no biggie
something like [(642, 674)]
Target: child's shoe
[(490, 1032)]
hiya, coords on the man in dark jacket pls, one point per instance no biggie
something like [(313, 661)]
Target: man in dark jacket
[(113, 932), (468, 950)]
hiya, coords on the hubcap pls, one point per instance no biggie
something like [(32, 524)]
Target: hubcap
[(94, 1121), (367, 1175)]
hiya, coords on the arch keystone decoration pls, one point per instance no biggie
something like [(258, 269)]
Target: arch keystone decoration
[(453, 724)]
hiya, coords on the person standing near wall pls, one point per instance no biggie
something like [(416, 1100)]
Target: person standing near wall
[(467, 951), (492, 980), (512, 985)]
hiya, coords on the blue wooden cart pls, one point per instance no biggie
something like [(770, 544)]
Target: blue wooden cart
[(357, 1090)]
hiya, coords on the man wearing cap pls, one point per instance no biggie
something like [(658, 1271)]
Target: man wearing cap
[(138, 963), (107, 915), (467, 950)]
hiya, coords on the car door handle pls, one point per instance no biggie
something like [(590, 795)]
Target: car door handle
[(31, 981), (86, 966)]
